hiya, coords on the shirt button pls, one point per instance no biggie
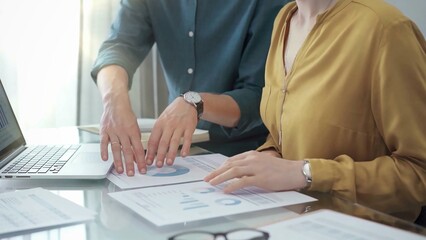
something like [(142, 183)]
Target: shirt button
[(190, 33), (190, 70)]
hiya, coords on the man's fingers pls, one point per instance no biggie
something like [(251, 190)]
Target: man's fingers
[(139, 153), (128, 154), (153, 143), (104, 147), (163, 147), (116, 154), (173, 148), (187, 140)]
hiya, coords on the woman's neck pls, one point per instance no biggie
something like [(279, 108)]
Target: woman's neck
[(308, 10)]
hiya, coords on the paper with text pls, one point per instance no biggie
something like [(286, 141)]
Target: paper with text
[(38, 208), (188, 169), (331, 225), (200, 200)]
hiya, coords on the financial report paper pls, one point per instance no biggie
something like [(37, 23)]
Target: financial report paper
[(199, 200), (188, 169), (38, 208)]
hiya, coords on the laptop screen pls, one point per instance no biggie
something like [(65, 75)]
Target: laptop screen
[(10, 134)]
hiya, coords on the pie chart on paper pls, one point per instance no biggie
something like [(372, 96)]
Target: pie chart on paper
[(167, 171)]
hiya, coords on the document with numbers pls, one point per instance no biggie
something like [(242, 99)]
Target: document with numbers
[(331, 225), (199, 200), (188, 169), (38, 208)]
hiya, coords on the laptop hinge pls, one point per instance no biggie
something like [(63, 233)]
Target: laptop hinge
[(12, 155)]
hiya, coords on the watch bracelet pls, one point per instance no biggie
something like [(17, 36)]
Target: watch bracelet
[(308, 176)]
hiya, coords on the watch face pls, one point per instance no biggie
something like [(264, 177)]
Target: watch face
[(192, 97)]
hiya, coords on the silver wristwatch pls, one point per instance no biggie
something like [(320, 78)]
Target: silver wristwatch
[(194, 99), (306, 170)]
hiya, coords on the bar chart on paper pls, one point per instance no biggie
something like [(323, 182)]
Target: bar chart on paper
[(199, 200), (188, 202)]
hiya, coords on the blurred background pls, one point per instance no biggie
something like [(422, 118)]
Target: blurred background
[(47, 48)]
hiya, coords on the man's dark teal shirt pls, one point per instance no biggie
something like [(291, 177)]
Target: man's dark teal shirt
[(216, 46)]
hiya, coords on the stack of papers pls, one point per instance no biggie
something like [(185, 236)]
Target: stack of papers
[(38, 208), (145, 126)]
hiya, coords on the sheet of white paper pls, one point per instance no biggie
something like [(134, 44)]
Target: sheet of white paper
[(331, 225), (146, 124), (188, 169), (38, 208), (199, 200)]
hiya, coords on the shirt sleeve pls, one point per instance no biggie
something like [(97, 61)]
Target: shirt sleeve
[(130, 40), (248, 86), (269, 143), (396, 182)]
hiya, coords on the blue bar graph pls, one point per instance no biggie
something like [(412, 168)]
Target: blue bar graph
[(189, 203), (3, 119)]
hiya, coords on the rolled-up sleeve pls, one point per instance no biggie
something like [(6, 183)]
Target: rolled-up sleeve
[(130, 39)]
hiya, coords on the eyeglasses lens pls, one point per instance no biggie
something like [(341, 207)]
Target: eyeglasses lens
[(246, 235), (195, 236)]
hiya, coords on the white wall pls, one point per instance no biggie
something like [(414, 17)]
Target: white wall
[(414, 9)]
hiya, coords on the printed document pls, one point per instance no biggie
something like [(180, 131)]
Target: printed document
[(188, 169), (331, 225), (200, 200), (38, 208), (146, 125)]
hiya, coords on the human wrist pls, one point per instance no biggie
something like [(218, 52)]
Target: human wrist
[(271, 152), (196, 101)]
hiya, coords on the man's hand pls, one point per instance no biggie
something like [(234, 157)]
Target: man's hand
[(118, 124), (122, 132), (177, 121)]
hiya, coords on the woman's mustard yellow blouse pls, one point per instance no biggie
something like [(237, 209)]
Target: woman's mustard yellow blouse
[(353, 104)]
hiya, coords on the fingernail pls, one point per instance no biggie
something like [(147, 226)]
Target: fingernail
[(120, 169), (169, 161), (142, 171), (130, 173)]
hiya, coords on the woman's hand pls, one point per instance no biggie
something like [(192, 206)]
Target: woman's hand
[(260, 169)]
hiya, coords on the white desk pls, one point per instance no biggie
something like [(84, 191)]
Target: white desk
[(115, 221)]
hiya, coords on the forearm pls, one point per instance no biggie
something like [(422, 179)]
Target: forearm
[(220, 109), (112, 82)]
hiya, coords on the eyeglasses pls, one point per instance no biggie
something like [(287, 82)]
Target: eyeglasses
[(236, 234)]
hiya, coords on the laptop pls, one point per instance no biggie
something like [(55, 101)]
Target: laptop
[(17, 160)]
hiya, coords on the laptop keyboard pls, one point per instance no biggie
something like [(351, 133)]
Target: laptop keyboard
[(42, 159)]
